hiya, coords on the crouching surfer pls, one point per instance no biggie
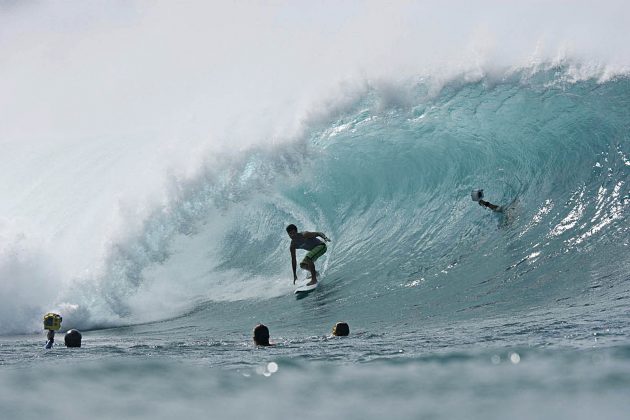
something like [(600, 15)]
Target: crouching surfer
[(309, 242)]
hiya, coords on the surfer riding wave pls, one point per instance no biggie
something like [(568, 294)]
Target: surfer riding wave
[(309, 242)]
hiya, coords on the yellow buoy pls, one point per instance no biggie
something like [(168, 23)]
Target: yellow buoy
[(52, 321)]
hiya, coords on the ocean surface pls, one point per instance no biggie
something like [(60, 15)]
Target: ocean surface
[(455, 311)]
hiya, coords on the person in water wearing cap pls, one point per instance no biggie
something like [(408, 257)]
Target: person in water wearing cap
[(309, 242)]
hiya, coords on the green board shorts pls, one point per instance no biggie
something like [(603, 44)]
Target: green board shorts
[(314, 254)]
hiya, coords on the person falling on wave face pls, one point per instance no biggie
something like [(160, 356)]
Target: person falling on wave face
[(309, 242), (477, 196), (491, 206)]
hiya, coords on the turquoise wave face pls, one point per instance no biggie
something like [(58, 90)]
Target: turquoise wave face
[(389, 181), (394, 188)]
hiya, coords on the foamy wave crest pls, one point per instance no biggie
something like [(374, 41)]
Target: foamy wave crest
[(28, 279)]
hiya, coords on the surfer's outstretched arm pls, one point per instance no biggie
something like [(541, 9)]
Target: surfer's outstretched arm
[(316, 234), (490, 205)]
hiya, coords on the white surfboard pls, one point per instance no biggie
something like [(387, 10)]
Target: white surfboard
[(304, 288)]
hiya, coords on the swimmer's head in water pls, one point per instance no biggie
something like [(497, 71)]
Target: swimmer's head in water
[(72, 338), (261, 335), (341, 329)]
